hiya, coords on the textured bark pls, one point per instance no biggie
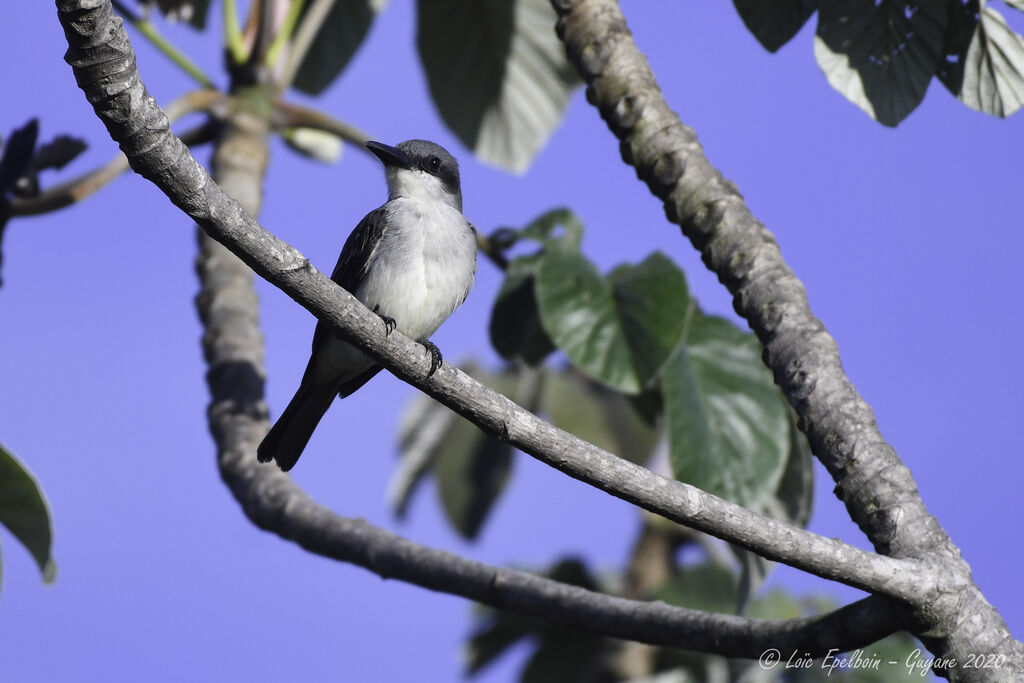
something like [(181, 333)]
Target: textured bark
[(879, 491), (104, 66)]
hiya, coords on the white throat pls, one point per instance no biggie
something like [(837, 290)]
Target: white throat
[(419, 186)]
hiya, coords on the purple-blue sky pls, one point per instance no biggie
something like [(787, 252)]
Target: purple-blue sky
[(907, 239)]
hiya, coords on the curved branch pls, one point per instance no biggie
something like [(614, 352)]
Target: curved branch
[(104, 67), (877, 488), (77, 189), (291, 115)]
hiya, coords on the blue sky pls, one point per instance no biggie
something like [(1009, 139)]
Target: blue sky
[(907, 239)]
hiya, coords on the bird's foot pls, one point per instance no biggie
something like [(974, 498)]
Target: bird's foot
[(435, 355), (389, 322)]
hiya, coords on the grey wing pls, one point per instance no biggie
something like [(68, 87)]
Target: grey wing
[(355, 255), (354, 259)]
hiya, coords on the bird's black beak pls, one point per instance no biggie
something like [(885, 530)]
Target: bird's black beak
[(391, 156)]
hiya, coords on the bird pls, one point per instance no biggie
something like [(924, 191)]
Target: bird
[(412, 261)]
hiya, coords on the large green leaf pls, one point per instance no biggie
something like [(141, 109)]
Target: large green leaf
[(706, 586), (728, 429), (471, 472), (620, 330), (597, 414), (24, 512), (515, 328), (985, 62), (791, 503), (471, 467), (341, 34), (497, 74), (775, 22), (881, 54)]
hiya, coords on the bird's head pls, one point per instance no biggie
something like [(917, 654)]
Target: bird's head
[(420, 169)]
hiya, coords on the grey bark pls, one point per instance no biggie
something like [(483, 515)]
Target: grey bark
[(878, 490), (105, 69)]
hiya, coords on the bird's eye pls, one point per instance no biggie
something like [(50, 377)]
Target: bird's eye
[(434, 164)]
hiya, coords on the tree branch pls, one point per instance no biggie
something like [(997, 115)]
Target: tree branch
[(77, 189), (291, 115), (877, 488), (104, 67), (135, 120)]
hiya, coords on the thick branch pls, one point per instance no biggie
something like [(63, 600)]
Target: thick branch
[(878, 489), (105, 71), (104, 67)]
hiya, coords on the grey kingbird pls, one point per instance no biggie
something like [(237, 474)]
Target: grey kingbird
[(412, 262)]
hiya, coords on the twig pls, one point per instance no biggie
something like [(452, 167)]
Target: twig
[(284, 34), (233, 33), (310, 26), (148, 29), (77, 189), (292, 115)]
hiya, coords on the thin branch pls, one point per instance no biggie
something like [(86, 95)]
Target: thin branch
[(101, 57), (310, 26), (233, 33), (148, 29), (877, 488), (284, 35), (292, 115), (77, 189)]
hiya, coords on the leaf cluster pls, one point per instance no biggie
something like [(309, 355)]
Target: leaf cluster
[(883, 54)]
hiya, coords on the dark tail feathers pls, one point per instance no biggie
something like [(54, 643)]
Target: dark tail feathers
[(288, 437)]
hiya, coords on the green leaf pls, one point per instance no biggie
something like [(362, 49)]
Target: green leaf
[(515, 328), (192, 11), (706, 586), (341, 34), (17, 154), (24, 512), (471, 467), (881, 54), (495, 631), (200, 10), (985, 60), (471, 471), (792, 504), (569, 656), (596, 414), (544, 228), (775, 22), (620, 330), (495, 634), (728, 431), (794, 499), (497, 74)]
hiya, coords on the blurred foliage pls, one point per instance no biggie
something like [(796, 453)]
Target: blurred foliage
[(23, 511)]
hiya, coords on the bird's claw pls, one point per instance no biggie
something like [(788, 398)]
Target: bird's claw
[(436, 359), (389, 322)]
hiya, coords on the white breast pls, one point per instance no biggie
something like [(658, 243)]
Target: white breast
[(423, 267)]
